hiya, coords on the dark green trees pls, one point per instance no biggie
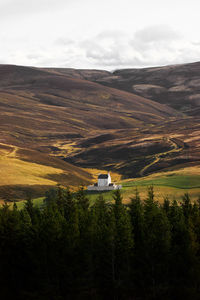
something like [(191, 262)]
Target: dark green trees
[(69, 249), (123, 243)]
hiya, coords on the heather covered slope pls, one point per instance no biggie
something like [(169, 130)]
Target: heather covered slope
[(60, 120), (170, 146), (41, 105), (45, 114), (26, 172), (177, 86)]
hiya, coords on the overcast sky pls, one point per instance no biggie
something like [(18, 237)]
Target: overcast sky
[(102, 34)]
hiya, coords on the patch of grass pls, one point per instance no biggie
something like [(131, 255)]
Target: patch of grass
[(160, 193), (37, 202), (107, 195), (171, 184), (15, 171), (176, 181)]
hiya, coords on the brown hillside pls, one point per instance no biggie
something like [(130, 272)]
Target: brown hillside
[(39, 104), (53, 119), (176, 85)]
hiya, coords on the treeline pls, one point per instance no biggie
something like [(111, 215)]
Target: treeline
[(69, 249)]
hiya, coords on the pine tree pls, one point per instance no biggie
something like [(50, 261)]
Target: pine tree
[(51, 196), (156, 244), (183, 249), (85, 238), (137, 219), (103, 243), (82, 200), (14, 206), (69, 204), (186, 206), (60, 200), (29, 208), (123, 243), (166, 205)]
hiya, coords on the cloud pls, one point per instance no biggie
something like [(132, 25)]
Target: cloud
[(64, 41), (106, 48), (109, 50), (149, 46), (16, 8), (156, 33), (87, 34), (153, 39)]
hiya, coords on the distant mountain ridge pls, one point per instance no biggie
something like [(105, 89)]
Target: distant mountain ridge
[(57, 96), (177, 85)]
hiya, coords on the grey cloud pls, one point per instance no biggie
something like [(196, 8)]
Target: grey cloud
[(64, 41), (104, 58), (101, 51), (20, 7), (157, 33), (2, 61), (196, 43), (109, 50), (110, 57), (33, 56), (114, 34), (155, 45)]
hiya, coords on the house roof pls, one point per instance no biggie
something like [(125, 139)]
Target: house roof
[(103, 176)]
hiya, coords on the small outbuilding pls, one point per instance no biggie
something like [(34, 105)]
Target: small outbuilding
[(104, 179), (104, 184)]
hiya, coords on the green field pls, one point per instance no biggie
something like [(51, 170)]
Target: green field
[(171, 180), (37, 202), (171, 185)]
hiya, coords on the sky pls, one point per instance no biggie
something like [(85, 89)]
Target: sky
[(99, 34)]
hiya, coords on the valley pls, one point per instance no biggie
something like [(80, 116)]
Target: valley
[(60, 125)]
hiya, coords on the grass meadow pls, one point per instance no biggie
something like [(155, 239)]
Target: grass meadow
[(172, 185)]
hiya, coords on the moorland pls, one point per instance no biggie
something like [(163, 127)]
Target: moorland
[(64, 126)]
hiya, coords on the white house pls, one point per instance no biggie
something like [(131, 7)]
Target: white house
[(104, 184), (104, 179)]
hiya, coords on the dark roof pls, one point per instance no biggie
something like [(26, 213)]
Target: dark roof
[(103, 176)]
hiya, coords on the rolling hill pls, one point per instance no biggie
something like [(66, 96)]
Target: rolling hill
[(177, 86), (55, 122)]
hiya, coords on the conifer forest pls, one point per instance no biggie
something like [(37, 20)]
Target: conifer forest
[(72, 249)]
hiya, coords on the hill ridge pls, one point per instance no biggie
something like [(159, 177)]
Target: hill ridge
[(54, 117)]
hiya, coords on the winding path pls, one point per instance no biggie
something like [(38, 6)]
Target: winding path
[(12, 152), (157, 157)]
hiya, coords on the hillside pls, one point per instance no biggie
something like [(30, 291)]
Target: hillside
[(61, 120), (40, 104), (177, 86), (25, 172)]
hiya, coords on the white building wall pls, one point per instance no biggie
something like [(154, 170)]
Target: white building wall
[(104, 188), (103, 182), (109, 178), (103, 185)]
